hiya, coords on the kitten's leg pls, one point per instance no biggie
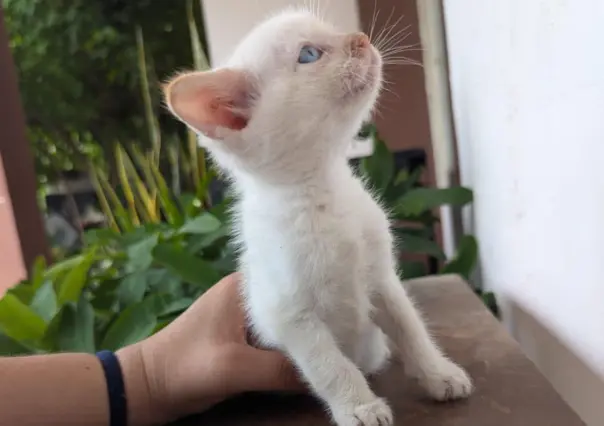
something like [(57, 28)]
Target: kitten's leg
[(372, 352), (333, 377), (423, 359)]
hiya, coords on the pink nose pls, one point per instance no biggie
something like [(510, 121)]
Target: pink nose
[(359, 42)]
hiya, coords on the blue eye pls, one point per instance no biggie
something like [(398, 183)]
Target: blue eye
[(309, 54)]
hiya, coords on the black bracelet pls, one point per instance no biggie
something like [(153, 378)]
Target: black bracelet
[(118, 413)]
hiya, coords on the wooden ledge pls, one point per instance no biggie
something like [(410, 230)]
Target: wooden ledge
[(509, 389)]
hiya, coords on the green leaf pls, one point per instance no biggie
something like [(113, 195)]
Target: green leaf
[(38, 271), (75, 330), (166, 201), (199, 57), (379, 168), (132, 288), (23, 291), (420, 200), (221, 210), (18, 321), (227, 263), (403, 183), (423, 232), (44, 302), (409, 270), (103, 236), (190, 268), (491, 302), (49, 340), (135, 323), (74, 281), (163, 323), (163, 281), (177, 306), (104, 297), (205, 223), (410, 181), (60, 268), (200, 242), (189, 203), (401, 177), (10, 347), (414, 244), (465, 259), (140, 254), (139, 234)]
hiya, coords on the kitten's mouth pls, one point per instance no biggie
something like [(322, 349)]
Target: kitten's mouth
[(365, 76)]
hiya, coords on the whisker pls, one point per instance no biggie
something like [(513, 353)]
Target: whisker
[(384, 37), (396, 41), (374, 18), (386, 106), (395, 52), (395, 47), (400, 59), (322, 11), (377, 111), (400, 55), (396, 38), (391, 91), (406, 62), (396, 59), (379, 37), (388, 34), (402, 47)]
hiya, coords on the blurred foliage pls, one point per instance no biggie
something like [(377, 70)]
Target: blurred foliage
[(78, 62), (121, 288), (412, 208), (145, 197)]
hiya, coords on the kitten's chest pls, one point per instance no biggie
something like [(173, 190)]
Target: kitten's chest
[(304, 237), (301, 226), (308, 238), (305, 257)]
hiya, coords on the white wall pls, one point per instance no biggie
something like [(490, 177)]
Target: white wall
[(528, 97), (228, 21)]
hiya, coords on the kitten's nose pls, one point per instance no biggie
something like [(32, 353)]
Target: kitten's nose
[(359, 42)]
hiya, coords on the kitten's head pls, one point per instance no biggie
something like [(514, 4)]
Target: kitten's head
[(287, 102)]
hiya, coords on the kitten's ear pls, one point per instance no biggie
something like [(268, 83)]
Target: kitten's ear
[(211, 100)]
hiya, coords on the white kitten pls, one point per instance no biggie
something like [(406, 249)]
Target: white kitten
[(317, 254)]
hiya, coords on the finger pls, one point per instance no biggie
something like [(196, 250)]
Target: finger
[(263, 370)]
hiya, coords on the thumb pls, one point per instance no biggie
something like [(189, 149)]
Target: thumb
[(263, 370)]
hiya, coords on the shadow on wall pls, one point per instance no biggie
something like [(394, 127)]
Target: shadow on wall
[(580, 386)]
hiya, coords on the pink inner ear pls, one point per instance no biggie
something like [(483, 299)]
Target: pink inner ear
[(209, 100), (224, 115)]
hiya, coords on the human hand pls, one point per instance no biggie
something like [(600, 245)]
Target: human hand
[(199, 360)]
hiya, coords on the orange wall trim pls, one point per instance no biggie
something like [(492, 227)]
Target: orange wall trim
[(12, 269)]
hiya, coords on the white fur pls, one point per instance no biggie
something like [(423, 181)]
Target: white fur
[(316, 250)]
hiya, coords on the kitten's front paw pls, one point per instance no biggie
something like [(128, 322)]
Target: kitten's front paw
[(447, 381), (376, 413)]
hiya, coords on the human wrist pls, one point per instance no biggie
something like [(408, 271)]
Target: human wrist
[(144, 407)]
